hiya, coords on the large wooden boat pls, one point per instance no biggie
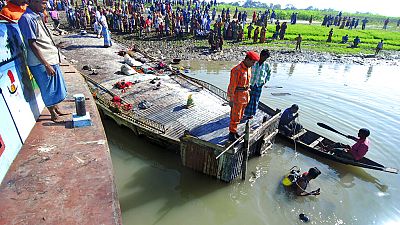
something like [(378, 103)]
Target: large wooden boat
[(199, 133), (312, 142)]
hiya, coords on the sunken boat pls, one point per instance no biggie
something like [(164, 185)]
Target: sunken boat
[(176, 111)]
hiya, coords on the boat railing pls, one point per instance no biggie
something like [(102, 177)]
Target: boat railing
[(212, 88), (126, 114), (221, 93)]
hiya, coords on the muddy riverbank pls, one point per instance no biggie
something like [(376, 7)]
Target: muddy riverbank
[(192, 49)]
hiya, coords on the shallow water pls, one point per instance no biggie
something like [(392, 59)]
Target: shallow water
[(155, 189)]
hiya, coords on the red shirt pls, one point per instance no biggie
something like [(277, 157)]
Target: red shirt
[(359, 149)]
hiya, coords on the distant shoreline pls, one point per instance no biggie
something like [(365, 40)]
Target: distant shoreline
[(189, 49)]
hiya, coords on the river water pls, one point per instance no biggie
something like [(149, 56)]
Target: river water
[(155, 189)]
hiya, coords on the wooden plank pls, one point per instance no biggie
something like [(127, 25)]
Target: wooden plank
[(316, 142), (303, 131), (255, 135)]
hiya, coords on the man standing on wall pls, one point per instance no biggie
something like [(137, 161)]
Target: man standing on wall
[(238, 91), (260, 74), (43, 58)]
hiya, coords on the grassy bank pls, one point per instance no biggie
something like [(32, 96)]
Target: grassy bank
[(314, 38), (306, 14)]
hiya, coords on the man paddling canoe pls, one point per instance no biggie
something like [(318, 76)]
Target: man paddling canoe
[(358, 150)]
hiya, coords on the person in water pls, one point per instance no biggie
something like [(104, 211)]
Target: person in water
[(356, 151), (303, 181), (298, 183), (287, 124)]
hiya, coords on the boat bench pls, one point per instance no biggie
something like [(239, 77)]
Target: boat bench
[(301, 132), (316, 142)]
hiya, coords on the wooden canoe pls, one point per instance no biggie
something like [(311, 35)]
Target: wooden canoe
[(309, 141)]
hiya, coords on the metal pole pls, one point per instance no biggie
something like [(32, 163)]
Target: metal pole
[(19, 135), (231, 145), (246, 150)]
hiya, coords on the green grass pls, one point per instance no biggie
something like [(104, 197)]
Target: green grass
[(306, 14), (314, 38)]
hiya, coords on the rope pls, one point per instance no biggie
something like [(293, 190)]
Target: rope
[(297, 121)]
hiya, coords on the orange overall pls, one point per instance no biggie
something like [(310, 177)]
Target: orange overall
[(238, 93), (13, 11)]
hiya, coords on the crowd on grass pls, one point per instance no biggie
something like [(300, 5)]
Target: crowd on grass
[(351, 23), (180, 18)]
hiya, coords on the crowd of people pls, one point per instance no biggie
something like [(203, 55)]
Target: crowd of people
[(164, 18), (178, 18), (350, 23), (345, 40), (175, 19)]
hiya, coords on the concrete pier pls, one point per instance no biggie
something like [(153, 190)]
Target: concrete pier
[(62, 175)]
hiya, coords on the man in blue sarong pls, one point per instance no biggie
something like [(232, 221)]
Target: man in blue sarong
[(43, 58), (261, 73), (105, 31)]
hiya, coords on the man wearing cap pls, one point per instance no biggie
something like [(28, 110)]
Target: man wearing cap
[(238, 91), (14, 9), (260, 74)]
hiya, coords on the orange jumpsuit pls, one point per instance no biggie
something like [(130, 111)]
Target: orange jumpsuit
[(13, 11), (238, 93)]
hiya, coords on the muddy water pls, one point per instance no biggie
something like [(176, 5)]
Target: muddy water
[(155, 189)]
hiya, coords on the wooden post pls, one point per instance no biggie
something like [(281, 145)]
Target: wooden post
[(246, 149)]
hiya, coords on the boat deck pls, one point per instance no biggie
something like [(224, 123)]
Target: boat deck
[(208, 119), (199, 133), (216, 131)]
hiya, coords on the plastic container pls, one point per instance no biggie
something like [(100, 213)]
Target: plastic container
[(80, 105)]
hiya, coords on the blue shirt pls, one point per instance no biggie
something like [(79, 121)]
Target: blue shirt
[(286, 118), (32, 28)]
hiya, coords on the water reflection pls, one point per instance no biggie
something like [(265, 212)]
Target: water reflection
[(291, 69), (369, 72), (346, 68), (274, 67), (347, 178), (319, 69), (336, 67)]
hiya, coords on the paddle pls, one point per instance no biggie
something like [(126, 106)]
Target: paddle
[(333, 130), (384, 169)]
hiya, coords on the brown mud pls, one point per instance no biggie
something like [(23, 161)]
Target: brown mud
[(194, 49)]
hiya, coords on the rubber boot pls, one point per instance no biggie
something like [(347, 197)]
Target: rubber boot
[(232, 136)]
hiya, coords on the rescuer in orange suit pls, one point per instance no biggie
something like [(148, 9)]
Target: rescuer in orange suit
[(238, 91)]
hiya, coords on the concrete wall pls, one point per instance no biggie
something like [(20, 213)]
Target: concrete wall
[(20, 99)]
